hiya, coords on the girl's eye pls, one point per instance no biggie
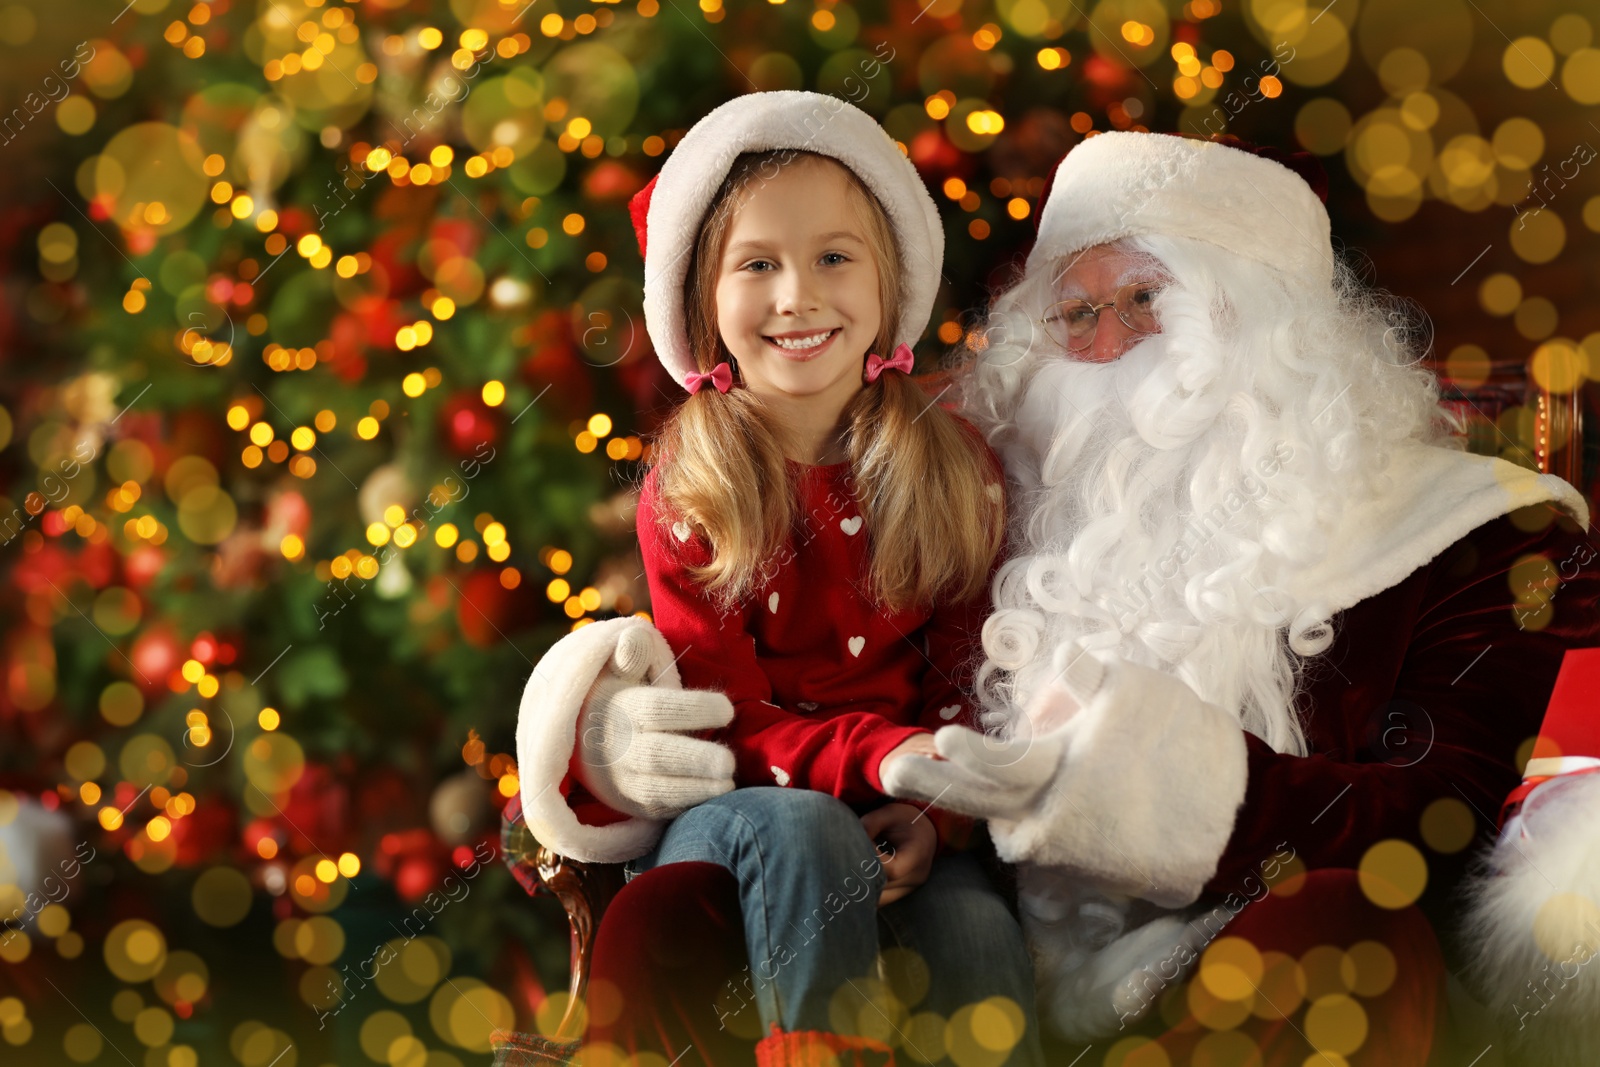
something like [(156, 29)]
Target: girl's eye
[(758, 266), (835, 258)]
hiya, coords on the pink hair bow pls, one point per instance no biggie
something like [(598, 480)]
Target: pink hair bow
[(902, 361), (721, 376)]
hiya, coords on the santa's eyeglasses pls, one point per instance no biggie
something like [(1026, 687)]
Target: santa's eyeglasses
[(1072, 323)]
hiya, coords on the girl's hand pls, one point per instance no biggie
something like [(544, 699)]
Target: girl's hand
[(911, 840)]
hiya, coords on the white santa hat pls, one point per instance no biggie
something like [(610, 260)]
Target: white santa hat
[(1256, 203), (672, 208)]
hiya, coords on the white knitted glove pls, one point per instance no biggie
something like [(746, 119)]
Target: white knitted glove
[(633, 748), (980, 775)]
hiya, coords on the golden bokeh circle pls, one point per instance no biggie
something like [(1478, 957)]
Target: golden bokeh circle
[(150, 177), (406, 1051), (322, 988), (1518, 143), (1226, 1048), (1559, 366), (1231, 968), (1323, 125), (274, 762), (475, 1013), (1137, 1052), (1538, 236), (1536, 318), (379, 1031), (1467, 366), (207, 514), (1528, 62), (1500, 293), (1448, 825), (185, 977), (413, 969), (1214, 1013), (82, 1043), (1336, 1023), (135, 950), (1324, 971), (1393, 874), (221, 897), (924, 1037), (867, 1007), (153, 1026), (1282, 986), (1564, 928), (1375, 968), (1580, 76), (319, 939)]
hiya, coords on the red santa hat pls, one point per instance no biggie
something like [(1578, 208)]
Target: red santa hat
[(672, 208), (1569, 739), (1248, 201), (1532, 922)]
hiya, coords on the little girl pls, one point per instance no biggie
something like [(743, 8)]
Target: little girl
[(818, 536)]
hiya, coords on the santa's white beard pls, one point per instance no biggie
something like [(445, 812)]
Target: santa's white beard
[(1163, 498), (1140, 529)]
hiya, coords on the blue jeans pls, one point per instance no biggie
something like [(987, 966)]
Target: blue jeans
[(809, 880)]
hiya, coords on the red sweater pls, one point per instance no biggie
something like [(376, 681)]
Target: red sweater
[(823, 682)]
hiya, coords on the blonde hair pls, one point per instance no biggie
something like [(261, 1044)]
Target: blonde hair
[(930, 497)]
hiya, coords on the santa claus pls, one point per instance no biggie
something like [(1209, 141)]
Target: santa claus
[(1266, 657)]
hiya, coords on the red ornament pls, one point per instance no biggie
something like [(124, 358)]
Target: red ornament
[(206, 834), (554, 362), (142, 565), (933, 154), (416, 876), (487, 610), (469, 426), (611, 180), (155, 655)]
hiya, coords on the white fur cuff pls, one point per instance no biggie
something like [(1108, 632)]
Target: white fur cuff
[(1145, 799), (547, 727)]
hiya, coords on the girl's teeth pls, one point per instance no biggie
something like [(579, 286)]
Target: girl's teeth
[(798, 344)]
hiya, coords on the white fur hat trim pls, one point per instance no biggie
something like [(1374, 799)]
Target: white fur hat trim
[(1125, 184)]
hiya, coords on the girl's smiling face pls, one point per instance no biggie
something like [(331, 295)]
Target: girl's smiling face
[(797, 287)]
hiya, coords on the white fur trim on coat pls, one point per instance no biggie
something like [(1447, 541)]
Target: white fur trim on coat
[(1533, 926), (547, 731), (1144, 800), (1436, 496), (759, 122), (1122, 183)]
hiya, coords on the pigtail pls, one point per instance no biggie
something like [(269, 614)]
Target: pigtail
[(930, 494)]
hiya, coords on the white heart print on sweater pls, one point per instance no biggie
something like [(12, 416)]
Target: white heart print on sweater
[(772, 603), (950, 712), (779, 775), (680, 530), (850, 526), (856, 645)]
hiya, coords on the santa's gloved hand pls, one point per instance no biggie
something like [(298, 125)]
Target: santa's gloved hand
[(977, 774), (635, 751)]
